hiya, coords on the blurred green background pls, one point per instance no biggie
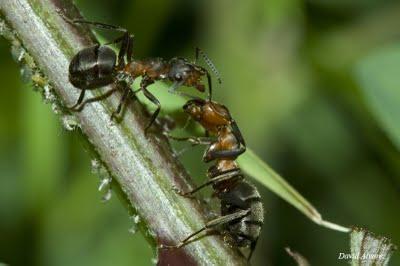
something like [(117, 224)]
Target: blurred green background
[(312, 84)]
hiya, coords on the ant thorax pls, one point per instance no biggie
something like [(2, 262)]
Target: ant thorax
[(153, 68), (214, 117)]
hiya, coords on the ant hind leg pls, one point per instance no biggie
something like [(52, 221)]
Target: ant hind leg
[(105, 95), (221, 177), (252, 248), (212, 224), (78, 102), (99, 25)]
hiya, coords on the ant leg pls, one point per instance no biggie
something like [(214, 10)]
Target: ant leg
[(91, 23), (117, 40), (143, 86), (95, 99), (123, 49), (192, 140), (174, 87), (197, 55), (129, 50), (122, 102), (126, 38), (222, 177), (233, 153), (126, 48), (79, 101), (237, 133), (252, 248), (211, 224)]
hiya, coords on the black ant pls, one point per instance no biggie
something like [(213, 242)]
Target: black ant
[(242, 213), (98, 66)]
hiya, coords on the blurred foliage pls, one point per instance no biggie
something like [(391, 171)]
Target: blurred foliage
[(311, 85), (378, 77)]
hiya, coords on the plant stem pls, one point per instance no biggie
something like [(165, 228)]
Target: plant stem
[(144, 167)]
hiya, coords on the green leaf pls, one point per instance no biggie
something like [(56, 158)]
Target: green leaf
[(378, 76), (252, 165)]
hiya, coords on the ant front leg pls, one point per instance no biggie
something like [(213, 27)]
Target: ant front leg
[(146, 81), (193, 140), (210, 225), (237, 133), (231, 153), (218, 154), (122, 102)]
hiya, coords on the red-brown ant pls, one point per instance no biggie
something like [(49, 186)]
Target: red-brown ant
[(242, 213), (98, 66)]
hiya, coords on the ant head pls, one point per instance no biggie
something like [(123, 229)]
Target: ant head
[(187, 73), (194, 108)]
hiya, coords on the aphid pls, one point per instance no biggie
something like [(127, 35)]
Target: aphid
[(242, 213), (98, 66)]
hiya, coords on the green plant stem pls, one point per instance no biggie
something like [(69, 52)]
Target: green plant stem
[(144, 167)]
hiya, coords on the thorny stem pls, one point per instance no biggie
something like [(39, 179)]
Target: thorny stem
[(144, 168)]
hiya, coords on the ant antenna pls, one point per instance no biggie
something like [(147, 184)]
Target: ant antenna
[(187, 122), (209, 63)]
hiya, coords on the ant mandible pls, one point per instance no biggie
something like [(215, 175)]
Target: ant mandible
[(97, 66)]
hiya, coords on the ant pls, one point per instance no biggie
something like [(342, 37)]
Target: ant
[(97, 66), (242, 213)]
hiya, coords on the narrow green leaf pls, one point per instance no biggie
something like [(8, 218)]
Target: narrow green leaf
[(378, 76), (368, 249), (252, 165)]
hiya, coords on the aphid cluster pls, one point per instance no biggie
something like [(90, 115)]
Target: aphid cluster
[(241, 208)]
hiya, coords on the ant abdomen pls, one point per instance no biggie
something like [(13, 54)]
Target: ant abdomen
[(244, 196), (92, 67)]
